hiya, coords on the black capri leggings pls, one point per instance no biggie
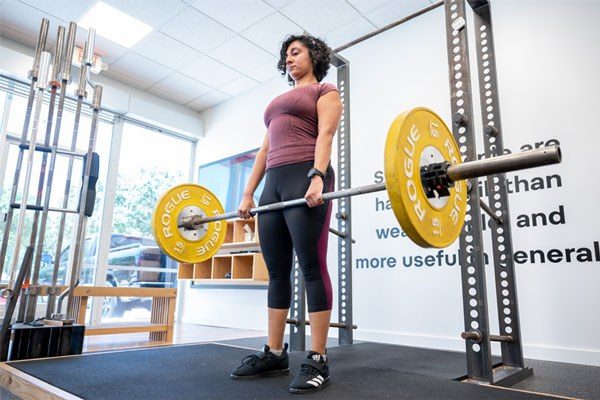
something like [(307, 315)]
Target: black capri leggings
[(301, 228)]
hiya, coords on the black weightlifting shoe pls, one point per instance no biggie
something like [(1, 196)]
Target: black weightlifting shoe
[(263, 364), (313, 375)]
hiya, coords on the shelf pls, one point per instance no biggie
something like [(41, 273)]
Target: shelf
[(229, 233), (203, 270), (242, 266), (240, 246), (237, 260), (240, 234), (185, 271), (221, 266), (229, 284)]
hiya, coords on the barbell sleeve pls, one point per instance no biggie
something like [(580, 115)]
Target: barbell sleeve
[(506, 163), (472, 169)]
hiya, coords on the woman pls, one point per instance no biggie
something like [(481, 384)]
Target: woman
[(295, 156)]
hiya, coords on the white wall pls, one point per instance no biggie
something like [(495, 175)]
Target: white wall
[(547, 68), (16, 60)]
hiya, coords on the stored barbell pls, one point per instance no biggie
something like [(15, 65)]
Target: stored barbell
[(424, 177)]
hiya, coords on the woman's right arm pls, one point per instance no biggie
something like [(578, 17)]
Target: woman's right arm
[(258, 171)]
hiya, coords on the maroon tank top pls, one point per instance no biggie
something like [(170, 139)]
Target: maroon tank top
[(292, 124)]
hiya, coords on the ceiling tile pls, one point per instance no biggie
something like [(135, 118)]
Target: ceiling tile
[(364, 6), (241, 55), (209, 71), (153, 12), (208, 100), (278, 4), (395, 10), (238, 86), (320, 17), (166, 51), (67, 10), (140, 68), (265, 72), (126, 79), (349, 32), (26, 30), (271, 32), (180, 88), (237, 15), (197, 30)]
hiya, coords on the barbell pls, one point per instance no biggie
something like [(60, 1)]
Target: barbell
[(425, 179)]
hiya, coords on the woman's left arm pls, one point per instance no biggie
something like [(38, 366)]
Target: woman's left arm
[(329, 111)]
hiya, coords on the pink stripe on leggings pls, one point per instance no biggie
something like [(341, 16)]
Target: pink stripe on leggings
[(322, 253)]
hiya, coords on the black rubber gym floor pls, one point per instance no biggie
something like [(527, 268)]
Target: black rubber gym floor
[(201, 371)]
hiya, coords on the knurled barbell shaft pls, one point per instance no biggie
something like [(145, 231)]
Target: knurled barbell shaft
[(472, 169)]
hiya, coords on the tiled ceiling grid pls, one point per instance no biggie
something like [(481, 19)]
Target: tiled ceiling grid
[(203, 52)]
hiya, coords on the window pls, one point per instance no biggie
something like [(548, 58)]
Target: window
[(150, 163), (227, 179), (14, 103)]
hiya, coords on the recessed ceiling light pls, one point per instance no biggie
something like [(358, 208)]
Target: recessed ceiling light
[(115, 25)]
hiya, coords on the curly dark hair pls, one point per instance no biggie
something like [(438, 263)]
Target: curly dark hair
[(320, 55)]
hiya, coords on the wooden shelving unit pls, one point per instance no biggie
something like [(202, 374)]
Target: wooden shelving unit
[(238, 260)]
